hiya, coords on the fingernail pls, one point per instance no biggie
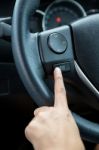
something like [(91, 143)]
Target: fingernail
[(57, 70)]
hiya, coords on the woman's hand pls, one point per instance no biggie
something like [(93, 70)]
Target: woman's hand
[(97, 147), (54, 128)]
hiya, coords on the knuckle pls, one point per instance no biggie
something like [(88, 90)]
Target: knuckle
[(68, 114), (59, 78), (27, 131), (31, 127), (37, 110), (41, 115), (41, 109), (30, 131), (61, 90)]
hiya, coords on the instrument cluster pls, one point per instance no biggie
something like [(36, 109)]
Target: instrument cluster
[(52, 14)]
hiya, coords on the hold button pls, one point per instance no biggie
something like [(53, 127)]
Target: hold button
[(65, 67), (57, 43)]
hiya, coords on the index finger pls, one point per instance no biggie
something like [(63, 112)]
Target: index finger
[(59, 89)]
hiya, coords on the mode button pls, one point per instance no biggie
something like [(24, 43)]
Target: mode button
[(57, 43)]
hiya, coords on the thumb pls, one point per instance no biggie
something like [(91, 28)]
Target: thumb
[(59, 89)]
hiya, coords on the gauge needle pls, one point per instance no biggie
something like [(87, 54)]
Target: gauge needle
[(58, 19)]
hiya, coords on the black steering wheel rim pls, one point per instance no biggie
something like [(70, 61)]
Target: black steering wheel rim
[(30, 68)]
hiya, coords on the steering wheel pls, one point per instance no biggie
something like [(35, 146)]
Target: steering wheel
[(73, 48)]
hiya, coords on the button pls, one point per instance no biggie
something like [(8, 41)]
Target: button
[(57, 43), (65, 67)]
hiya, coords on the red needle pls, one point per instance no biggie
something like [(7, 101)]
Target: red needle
[(58, 19)]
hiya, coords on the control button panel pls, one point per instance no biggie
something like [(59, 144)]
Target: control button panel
[(65, 67)]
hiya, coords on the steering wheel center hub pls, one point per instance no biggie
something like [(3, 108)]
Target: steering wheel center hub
[(86, 42)]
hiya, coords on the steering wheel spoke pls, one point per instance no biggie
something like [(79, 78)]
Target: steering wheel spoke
[(56, 50)]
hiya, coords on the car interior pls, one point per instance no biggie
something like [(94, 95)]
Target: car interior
[(35, 37)]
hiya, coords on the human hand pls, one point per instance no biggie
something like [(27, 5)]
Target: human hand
[(54, 128), (97, 147)]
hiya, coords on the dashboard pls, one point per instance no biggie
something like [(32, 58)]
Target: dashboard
[(54, 13)]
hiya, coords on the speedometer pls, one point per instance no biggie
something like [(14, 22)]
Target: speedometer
[(62, 13)]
